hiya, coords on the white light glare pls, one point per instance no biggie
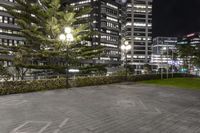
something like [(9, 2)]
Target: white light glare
[(62, 37), (128, 47), (126, 43), (68, 30), (69, 37), (123, 47)]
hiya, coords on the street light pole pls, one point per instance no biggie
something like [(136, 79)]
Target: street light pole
[(167, 62), (125, 48), (172, 63), (161, 71), (162, 52), (126, 64), (67, 37), (67, 68)]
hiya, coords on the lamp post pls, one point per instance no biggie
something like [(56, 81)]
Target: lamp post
[(162, 52), (67, 38), (125, 48), (161, 70), (173, 50), (167, 62)]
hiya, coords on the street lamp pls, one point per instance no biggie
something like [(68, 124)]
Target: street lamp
[(125, 48), (67, 38)]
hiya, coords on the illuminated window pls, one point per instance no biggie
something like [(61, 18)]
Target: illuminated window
[(1, 19), (113, 6)]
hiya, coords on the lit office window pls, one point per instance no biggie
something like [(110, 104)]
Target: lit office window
[(10, 42), (11, 0), (15, 42), (140, 24), (5, 42), (113, 6), (112, 19), (1, 41), (140, 6), (5, 20), (2, 8), (84, 2), (1, 19)]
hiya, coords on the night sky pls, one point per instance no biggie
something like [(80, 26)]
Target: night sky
[(175, 17)]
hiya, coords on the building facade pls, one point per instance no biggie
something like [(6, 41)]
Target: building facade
[(112, 19), (192, 39), (9, 34), (163, 49), (138, 31), (105, 19)]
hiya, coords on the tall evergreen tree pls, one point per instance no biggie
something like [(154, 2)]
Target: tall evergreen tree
[(196, 57), (190, 55), (41, 24)]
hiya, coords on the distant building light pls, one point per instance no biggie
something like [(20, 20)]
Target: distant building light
[(170, 41), (74, 70), (182, 43), (195, 42), (191, 35)]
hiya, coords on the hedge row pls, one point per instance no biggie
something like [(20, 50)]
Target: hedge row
[(156, 76), (14, 87), (91, 81)]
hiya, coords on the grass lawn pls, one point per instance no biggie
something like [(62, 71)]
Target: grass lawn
[(185, 83)]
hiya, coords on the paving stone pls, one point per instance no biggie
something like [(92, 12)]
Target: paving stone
[(115, 108)]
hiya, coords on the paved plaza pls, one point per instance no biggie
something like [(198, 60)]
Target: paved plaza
[(116, 108)]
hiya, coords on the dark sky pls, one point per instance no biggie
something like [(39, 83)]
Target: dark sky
[(175, 17)]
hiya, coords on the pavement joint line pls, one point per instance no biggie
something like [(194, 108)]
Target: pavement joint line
[(13, 102), (158, 110), (143, 105), (19, 127), (62, 124), (27, 122), (45, 127)]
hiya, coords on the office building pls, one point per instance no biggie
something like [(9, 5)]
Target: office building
[(105, 18), (191, 39), (163, 49), (138, 31), (9, 34), (113, 19)]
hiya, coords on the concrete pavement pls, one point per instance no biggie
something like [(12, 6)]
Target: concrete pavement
[(116, 108)]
